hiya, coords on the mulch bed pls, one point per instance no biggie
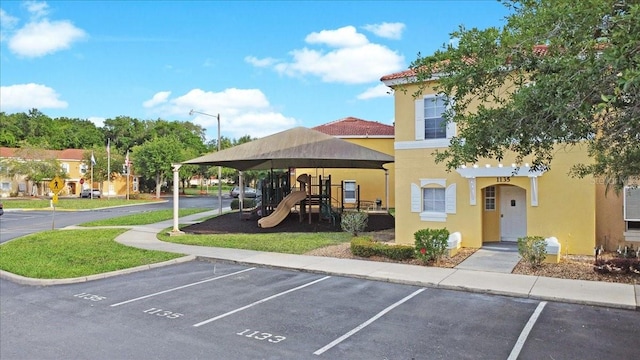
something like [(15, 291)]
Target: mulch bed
[(232, 223)]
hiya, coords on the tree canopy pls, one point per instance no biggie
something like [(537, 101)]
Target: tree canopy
[(184, 140), (557, 73)]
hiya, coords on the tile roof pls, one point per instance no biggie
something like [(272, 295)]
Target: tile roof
[(67, 154), (410, 73), (351, 126)]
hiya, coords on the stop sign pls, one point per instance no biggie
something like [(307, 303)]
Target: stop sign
[(81, 181)]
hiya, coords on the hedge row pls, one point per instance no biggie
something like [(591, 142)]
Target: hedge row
[(365, 247)]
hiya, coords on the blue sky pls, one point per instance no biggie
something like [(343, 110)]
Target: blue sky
[(264, 66)]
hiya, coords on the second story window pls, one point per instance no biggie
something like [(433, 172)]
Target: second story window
[(434, 124), (430, 125), (65, 167)]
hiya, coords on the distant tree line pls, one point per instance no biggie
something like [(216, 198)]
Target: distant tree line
[(153, 145)]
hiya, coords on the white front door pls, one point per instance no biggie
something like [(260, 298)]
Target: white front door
[(513, 213)]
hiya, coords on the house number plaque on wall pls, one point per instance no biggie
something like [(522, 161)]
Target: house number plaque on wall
[(501, 179)]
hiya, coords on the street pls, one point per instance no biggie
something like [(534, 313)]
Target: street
[(15, 223)]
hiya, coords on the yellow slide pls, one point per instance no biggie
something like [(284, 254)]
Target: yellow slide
[(283, 209)]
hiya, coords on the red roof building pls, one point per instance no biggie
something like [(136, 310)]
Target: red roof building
[(356, 128)]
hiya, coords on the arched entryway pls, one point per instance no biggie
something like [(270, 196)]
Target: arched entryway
[(504, 213)]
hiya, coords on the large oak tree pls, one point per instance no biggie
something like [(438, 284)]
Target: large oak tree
[(557, 73)]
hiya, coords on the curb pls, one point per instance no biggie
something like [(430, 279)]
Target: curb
[(49, 282)]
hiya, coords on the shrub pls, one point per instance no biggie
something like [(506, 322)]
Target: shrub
[(354, 222), (533, 250), (365, 247), (618, 266), (246, 204), (431, 244)]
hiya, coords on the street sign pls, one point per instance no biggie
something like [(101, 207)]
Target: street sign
[(55, 198), (56, 184)]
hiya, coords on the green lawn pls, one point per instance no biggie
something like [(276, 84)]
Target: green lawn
[(71, 203), (289, 243), (59, 254), (144, 218)]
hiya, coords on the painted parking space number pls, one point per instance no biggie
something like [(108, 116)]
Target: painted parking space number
[(163, 313), (261, 336), (91, 297)]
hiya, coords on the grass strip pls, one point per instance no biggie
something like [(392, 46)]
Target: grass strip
[(71, 204), (60, 254), (288, 243), (143, 218)]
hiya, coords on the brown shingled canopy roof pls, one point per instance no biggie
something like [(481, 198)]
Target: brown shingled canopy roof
[(298, 147)]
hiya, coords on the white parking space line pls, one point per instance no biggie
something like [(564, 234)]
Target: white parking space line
[(366, 323), (525, 332), (260, 302), (181, 287)]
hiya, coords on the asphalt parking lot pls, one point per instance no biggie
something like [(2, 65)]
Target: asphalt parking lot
[(210, 310)]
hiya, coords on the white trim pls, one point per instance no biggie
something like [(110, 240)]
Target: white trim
[(439, 182), (472, 191), (534, 191), (433, 216), (499, 171), (411, 79), (421, 144), (401, 81)]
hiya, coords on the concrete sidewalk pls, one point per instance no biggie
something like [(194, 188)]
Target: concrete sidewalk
[(473, 278)]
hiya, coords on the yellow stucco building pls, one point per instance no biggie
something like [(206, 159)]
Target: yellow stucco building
[(373, 184), (493, 201), (77, 175)]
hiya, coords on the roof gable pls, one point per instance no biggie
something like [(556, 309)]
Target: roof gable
[(351, 126)]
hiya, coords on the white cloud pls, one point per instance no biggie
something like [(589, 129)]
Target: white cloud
[(40, 36), (266, 62), (344, 37), (242, 112), (387, 30), (23, 97), (350, 58), (7, 23), (378, 91), (37, 9), (157, 99), (351, 65)]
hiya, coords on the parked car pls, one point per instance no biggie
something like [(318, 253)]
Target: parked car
[(86, 193), (1, 209), (249, 192)]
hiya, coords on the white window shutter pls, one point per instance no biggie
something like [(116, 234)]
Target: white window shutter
[(450, 199), (416, 198), (419, 115), (451, 130)]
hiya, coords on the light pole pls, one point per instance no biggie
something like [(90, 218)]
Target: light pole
[(219, 168)]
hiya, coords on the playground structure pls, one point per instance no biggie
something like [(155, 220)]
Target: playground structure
[(279, 199), (312, 195)]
